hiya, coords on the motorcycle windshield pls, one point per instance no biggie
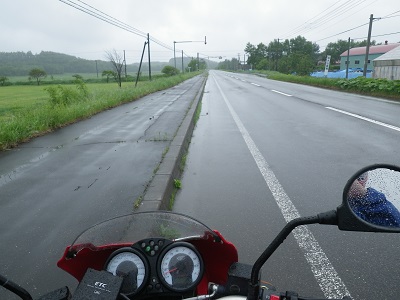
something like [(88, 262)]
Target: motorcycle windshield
[(131, 228)]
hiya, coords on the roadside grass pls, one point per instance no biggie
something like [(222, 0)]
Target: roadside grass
[(27, 111), (68, 78), (389, 89)]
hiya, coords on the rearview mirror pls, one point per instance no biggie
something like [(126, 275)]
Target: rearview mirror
[(371, 200)]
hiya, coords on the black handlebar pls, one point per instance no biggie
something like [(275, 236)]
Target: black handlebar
[(15, 288)]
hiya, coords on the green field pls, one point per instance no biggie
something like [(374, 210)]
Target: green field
[(68, 76), (16, 98), (30, 110)]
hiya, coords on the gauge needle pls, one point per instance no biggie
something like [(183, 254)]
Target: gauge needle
[(170, 271)]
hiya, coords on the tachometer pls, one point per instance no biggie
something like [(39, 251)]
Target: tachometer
[(180, 267), (132, 266)]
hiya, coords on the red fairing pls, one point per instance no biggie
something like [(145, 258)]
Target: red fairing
[(217, 257)]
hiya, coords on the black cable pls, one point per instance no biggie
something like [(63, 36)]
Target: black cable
[(329, 16), (113, 21)]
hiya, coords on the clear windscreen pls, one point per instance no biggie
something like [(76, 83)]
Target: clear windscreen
[(134, 227)]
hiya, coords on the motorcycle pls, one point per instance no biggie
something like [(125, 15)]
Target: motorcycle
[(162, 254)]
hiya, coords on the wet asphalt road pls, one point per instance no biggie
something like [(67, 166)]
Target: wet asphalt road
[(55, 186), (313, 151)]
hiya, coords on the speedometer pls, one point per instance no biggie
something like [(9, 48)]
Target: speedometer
[(180, 267), (130, 265)]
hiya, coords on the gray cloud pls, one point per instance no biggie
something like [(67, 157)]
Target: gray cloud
[(51, 25)]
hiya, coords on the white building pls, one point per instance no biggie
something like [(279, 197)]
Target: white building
[(388, 65)]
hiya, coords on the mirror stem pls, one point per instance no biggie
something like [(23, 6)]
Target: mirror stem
[(328, 218), (255, 272)]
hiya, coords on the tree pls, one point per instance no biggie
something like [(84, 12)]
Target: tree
[(195, 65), (256, 53), (3, 80), (263, 64), (275, 51), (170, 71), (78, 77), (230, 65), (108, 74), (118, 63), (38, 74)]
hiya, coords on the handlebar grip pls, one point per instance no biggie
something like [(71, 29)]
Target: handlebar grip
[(15, 288)]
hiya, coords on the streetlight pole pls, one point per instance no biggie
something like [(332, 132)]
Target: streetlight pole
[(180, 42)]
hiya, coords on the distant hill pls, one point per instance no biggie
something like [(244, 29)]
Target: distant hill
[(20, 63)]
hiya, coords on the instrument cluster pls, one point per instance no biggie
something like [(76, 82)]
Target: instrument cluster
[(157, 265)]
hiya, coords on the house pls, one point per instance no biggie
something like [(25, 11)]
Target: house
[(357, 56), (388, 65)]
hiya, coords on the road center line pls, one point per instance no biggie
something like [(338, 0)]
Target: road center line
[(281, 93), (325, 274), (255, 84), (364, 118)]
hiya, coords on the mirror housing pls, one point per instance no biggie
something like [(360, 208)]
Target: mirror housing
[(366, 204)]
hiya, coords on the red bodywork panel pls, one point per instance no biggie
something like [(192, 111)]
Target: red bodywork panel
[(217, 257)]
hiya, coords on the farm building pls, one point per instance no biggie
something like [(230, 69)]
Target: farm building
[(388, 65), (357, 56)]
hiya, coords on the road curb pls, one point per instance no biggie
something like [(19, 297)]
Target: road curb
[(161, 187)]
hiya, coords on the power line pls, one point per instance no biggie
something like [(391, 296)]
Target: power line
[(377, 19), (334, 15), (113, 21), (118, 21), (330, 15), (342, 32), (104, 18), (309, 19), (340, 20), (391, 14), (385, 34)]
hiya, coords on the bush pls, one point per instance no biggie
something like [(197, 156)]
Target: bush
[(369, 85), (170, 71), (63, 95)]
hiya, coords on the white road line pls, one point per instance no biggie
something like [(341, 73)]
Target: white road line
[(325, 274), (281, 93), (364, 118), (255, 84)]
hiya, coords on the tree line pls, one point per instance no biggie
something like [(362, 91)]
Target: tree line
[(297, 55), (21, 63)]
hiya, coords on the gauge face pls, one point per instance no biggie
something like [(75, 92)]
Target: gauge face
[(181, 267), (131, 266)]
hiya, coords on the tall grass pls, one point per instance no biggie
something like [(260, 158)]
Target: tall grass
[(366, 86), (20, 126)]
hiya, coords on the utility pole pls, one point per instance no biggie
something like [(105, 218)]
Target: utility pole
[(97, 70), (182, 61), (140, 65), (174, 56), (347, 60), (148, 49), (126, 75), (371, 18)]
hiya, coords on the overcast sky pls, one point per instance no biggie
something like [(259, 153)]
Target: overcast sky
[(52, 25)]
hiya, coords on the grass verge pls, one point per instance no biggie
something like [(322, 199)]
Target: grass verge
[(383, 88)]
